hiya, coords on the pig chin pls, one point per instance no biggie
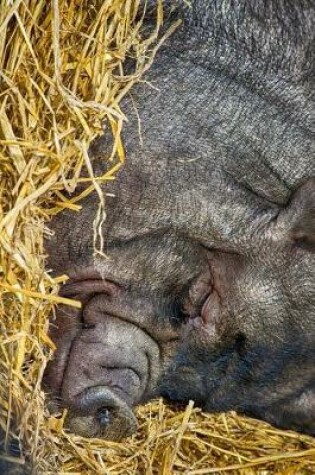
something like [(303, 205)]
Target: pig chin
[(107, 366)]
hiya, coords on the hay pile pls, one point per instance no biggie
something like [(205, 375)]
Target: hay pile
[(61, 77)]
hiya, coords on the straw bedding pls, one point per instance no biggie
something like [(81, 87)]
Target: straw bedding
[(61, 79)]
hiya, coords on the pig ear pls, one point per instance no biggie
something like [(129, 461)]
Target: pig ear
[(300, 216)]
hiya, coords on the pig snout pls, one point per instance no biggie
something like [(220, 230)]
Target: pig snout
[(99, 412), (106, 360)]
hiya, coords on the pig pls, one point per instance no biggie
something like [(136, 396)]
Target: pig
[(206, 289)]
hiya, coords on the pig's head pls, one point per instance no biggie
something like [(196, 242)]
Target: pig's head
[(208, 290), (229, 328)]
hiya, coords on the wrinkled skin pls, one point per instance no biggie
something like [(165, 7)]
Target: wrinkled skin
[(208, 293)]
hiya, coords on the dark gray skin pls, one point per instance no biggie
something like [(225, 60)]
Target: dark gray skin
[(209, 290)]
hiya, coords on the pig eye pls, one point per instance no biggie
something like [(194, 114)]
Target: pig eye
[(240, 343), (88, 326), (176, 312)]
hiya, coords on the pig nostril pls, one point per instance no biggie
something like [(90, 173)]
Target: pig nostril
[(98, 412), (103, 416)]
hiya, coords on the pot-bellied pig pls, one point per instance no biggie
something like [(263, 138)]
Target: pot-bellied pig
[(208, 291)]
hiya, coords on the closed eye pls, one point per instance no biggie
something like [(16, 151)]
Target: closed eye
[(306, 243), (88, 326)]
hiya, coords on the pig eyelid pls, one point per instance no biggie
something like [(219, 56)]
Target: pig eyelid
[(305, 244), (174, 313), (88, 326), (220, 248)]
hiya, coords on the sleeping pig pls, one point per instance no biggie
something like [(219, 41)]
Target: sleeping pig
[(207, 292)]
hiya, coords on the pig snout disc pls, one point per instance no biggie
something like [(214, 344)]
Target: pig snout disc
[(99, 412)]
